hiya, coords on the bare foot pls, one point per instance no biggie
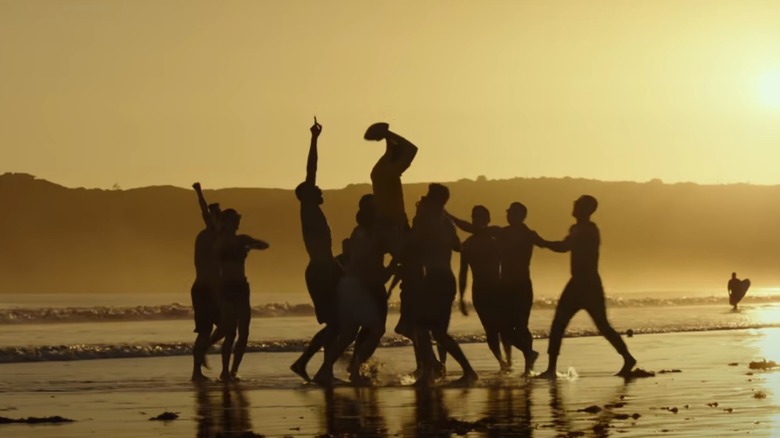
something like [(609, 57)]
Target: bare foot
[(467, 379), (360, 380), (530, 360), (199, 377), (628, 365), (548, 374), (225, 377), (324, 379), (439, 370), (299, 368)]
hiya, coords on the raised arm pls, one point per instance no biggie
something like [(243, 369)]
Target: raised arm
[(208, 219), (311, 162), (463, 278), (401, 149)]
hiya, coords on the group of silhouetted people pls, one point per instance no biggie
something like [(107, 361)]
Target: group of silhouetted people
[(220, 294), (350, 293)]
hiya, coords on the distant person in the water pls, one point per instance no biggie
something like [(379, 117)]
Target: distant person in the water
[(737, 289), (391, 220), (205, 289), (480, 253), (584, 290), (323, 271), (439, 241), (232, 250)]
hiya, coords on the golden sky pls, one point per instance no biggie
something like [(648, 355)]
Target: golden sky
[(154, 92)]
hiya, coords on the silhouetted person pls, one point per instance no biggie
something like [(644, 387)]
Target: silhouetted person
[(480, 252), (438, 242), (515, 245), (737, 289), (232, 250), (584, 290), (323, 271), (205, 289), (516, 242), (362, 298), (391, 220)]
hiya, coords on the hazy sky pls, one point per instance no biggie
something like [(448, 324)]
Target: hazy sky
[(139, 93)]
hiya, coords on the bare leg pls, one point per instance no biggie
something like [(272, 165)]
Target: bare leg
[(323, 338), (339, 344), (494, 343), (443, 338), (240, 347), (227, 349), (599, 315), (198, 356)]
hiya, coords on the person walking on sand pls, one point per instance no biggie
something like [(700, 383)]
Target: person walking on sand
[(323, 270), (584, 290), (232, 250), (205, 289), (737, 289)]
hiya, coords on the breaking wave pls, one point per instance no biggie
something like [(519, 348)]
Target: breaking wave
[(141, 350), (182, 311)]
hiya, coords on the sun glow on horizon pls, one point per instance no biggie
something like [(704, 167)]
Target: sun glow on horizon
[(769, 89)]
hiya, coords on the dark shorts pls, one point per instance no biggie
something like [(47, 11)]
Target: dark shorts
[(582, 293), (234, 305), (205, 305), (436, 300), (520, 298), (491, 308), (322, 278)]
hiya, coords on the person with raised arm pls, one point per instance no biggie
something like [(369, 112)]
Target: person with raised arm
[(232, 249), (323, 270), (205, 289), (584, 290), (391, 220)]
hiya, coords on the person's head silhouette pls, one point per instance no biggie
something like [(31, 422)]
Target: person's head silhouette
[(230, 220), (584, 207), (733, 275), (480, 216), (306, 192), (516, 213)]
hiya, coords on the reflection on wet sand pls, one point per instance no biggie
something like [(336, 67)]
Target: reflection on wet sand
[(353, 412), (600, 419), (509, 409), (222, 413)]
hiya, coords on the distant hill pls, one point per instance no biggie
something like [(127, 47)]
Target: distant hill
[(656, 236)]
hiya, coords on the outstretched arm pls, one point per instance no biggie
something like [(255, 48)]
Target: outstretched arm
[(463, 278), (561, 246), (204, 206), (470, 228), (252, 243), (311, 162)]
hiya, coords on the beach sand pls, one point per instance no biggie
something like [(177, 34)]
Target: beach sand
[(708, 397)]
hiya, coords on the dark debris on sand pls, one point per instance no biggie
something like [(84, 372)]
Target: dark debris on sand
[(165, 416), (247, 434), (35, 420), (669, 371), (762, 365)]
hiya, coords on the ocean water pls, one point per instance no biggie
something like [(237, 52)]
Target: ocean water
[(56, 327)]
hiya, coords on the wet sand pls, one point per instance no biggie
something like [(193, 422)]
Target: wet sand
[(709, 396)]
